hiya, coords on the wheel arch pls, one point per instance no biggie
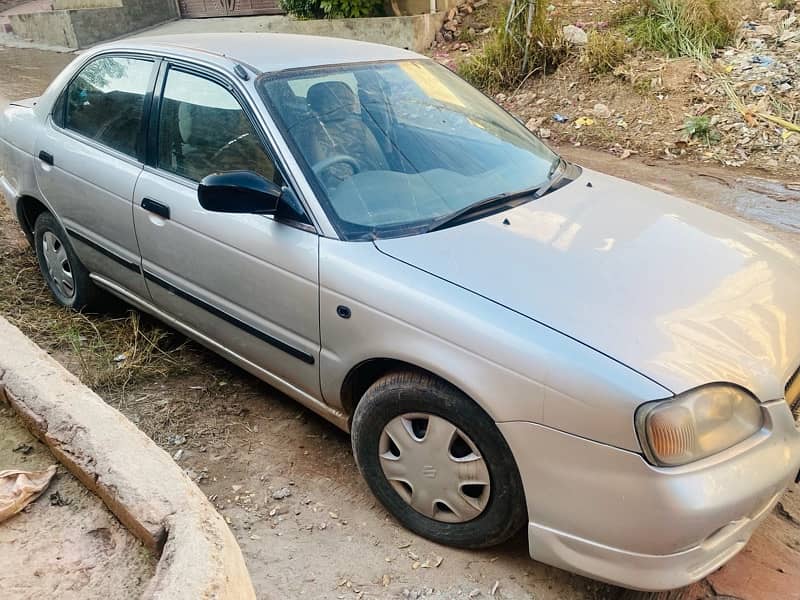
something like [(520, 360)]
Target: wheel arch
[(28, 210), (364, 374)]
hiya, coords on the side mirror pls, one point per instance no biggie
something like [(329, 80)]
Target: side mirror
[(238, 192)]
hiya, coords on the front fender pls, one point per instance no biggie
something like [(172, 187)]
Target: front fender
[(514, 367)]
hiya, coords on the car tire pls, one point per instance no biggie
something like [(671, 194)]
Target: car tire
[(64, 273), (388, 410)]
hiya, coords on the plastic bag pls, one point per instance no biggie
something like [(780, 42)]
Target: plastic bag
[(20, 488)]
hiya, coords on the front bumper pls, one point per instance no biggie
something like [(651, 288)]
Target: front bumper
[(606, 513)]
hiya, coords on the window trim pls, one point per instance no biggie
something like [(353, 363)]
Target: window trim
[(61, 124), (150, 159)]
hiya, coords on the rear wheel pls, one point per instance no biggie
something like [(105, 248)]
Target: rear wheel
[(437, 461), (63, 272)]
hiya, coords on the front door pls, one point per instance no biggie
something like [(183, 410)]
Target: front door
[(248, 282), (88, 161)]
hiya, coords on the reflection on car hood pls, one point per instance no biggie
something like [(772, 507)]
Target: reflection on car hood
[(683, 295)]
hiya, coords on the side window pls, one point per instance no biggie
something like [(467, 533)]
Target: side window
[(105, 102), (203, 129)]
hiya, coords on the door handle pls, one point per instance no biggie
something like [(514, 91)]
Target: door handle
[(162, 210), (45, 157)]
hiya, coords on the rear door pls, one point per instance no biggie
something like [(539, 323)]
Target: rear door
[(248, 282), (89, 157)]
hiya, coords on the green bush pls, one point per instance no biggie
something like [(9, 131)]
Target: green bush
[(333, 9), (352, 9), (692, 28), (303, 9), (701, 128)]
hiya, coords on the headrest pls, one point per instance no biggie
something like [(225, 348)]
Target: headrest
[(331, 98), (185, 121)]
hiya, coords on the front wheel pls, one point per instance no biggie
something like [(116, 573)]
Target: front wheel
[(437, 461)]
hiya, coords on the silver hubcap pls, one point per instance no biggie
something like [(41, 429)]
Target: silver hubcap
[(434, 467), (55, 257)]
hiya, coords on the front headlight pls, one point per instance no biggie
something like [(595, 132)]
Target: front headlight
[(697, 424)]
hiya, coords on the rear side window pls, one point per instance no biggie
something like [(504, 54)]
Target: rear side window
[(105, 102), (202, 130)]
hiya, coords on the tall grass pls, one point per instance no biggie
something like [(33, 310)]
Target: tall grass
[(499, 64), (604, 51), (693, 28)]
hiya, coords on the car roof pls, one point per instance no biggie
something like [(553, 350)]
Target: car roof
[(268, 52)]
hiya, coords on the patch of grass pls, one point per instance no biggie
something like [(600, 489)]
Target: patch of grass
[(106, 351), (701, 128), (604, 51), (499, 64), (784, 4), (466, 35), (693, 28)]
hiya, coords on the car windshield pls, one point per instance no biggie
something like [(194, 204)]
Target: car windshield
[(393, 148)]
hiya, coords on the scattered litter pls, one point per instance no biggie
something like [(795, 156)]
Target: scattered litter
[(282, 493), (24, 449), (56, 499), (20, 488), (583, 122), (559, 118), (764, 61), (601, 111), (494, 588)]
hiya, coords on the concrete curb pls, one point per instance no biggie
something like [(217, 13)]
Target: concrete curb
[(137, 480)]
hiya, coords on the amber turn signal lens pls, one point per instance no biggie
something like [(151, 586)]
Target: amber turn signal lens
[(697, 424), (671, 434)]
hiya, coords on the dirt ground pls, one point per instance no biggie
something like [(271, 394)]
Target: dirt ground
[(642, 107), (66, 544), (285, 479)]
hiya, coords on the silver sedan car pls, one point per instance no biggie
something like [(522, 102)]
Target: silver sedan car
[(513, 341)]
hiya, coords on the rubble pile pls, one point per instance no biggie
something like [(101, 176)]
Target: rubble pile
[(461, 27)]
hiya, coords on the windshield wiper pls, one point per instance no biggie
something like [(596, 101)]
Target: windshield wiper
[(477, 207), (557, 171), (555, 174)]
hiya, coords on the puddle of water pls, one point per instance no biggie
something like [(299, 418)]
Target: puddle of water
[(768, 201)]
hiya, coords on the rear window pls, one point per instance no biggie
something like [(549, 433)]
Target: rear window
[(105, 102)]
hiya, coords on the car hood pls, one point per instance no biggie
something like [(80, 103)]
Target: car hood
[(679, 293)]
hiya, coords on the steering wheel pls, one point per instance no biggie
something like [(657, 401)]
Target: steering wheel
[(327, 163)]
